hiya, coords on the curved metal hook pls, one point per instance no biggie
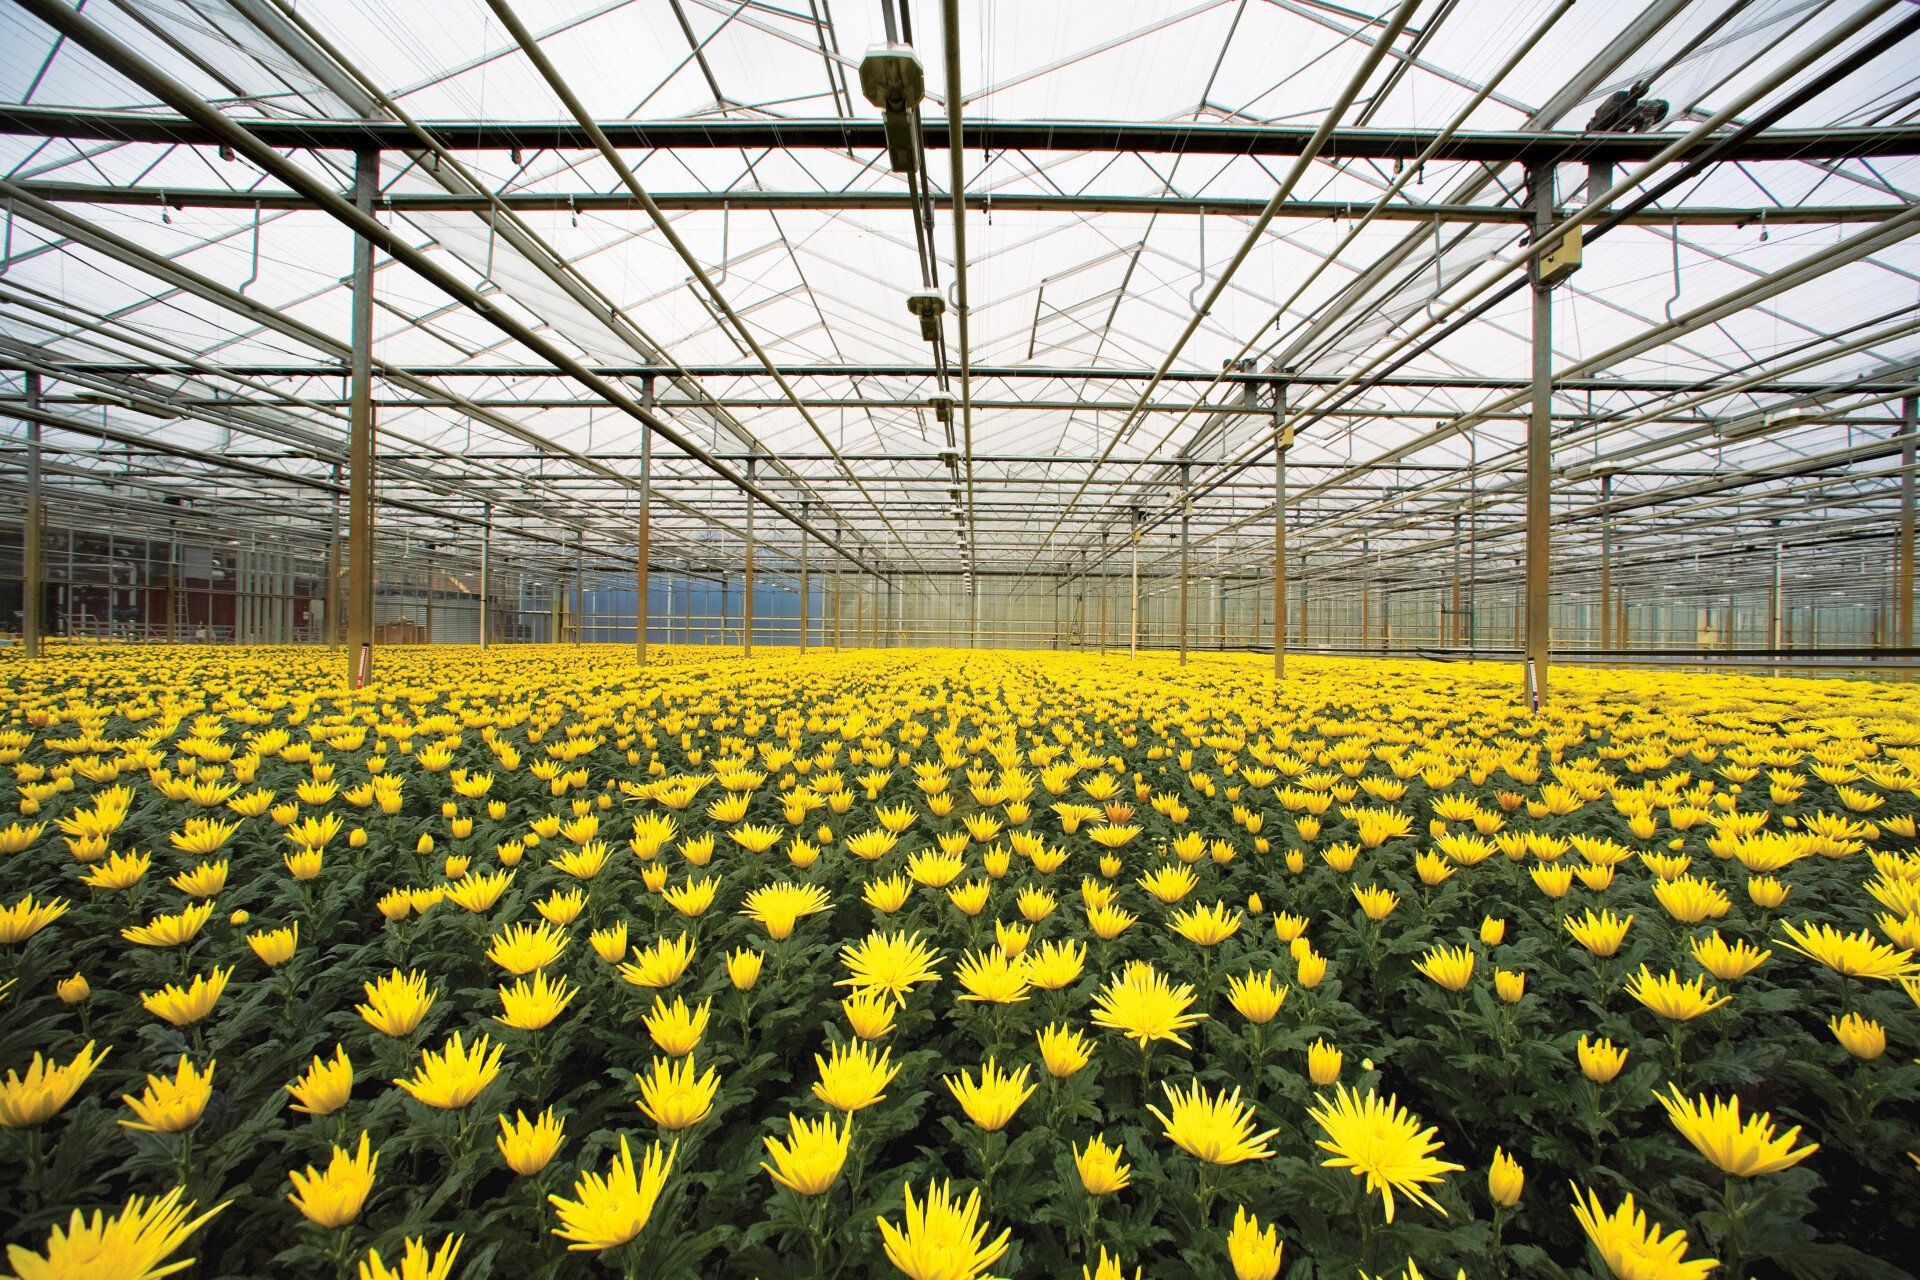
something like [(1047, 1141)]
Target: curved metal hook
[(1193, 293), (726, 240), (1439, 281), (1676, 271), (254, 275)]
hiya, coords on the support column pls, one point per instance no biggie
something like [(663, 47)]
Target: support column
[(332, 596), (1606, 561), (366, 177), (746, 600), (806, 588), (1103, 595), (1539, 458), (860, 612), (485, 625), (1133, 617), (1453, 607), (1774, 598), (1306, 586), (33, 565), (1280, 442), (643, 536), (1186, 515), (577, 601), (1903, 574), (1366, 595), (838, 536)]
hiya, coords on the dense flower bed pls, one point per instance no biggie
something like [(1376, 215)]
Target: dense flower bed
[(537, 963)]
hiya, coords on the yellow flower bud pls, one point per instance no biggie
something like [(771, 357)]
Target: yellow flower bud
[(1505, 1178)]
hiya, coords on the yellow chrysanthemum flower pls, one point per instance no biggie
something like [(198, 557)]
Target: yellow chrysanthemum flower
[(673, 1096), (811, 1158), (1633, 1247), (35, 1098), (1143, 1005), (893, 963), (1738, 1148), (854, 1076), (171, 1104), (528, 1146), (455, 1075), (1382, 1142), (608, 1211), (133, 1244), (1215, 1128), (416, 1262), (1254, 1251), (324, 1087), (942, 1238), (1852, 955), (397, 1002), (334, 1198), (184, 1006), (992, 1100)]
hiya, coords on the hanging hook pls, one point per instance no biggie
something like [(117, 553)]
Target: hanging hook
[(1763, 226), (1201, 283), (6, 250), (486, 275), (1439, 280), (1676, 271), (254, 275)]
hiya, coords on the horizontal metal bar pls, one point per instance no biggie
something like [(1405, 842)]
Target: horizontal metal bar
[(1013, 202), (1435, 382), (1162, 137)]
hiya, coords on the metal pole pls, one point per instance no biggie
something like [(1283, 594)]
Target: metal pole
[(1453, 631), (806, 508), (1606, 561), (332, 606), (1279, 532), (486, 576), (746, 600), (1186, 517), (1903, 576), (1539, 457), (366, 177), (1103, 595), (577, 601), (837, 634), (643, 537), (1306, 585), (1775, 598), (33, 573), (1133, 622), (1366, 597)]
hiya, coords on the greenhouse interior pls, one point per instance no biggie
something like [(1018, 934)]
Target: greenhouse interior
[(1163, 639)]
